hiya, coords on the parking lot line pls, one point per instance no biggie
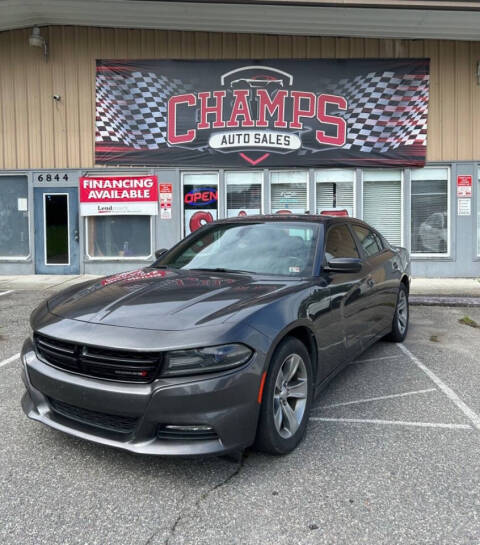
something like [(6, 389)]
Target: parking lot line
[(469, 413), (9, 360), (379, 398), (377, 359), (6, 292), (393, 423)]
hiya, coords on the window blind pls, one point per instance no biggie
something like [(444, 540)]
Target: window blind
[(244, 196), (429, 211), (244, 192), (334, 195), (289, 191), (289, 196), (382, 207)]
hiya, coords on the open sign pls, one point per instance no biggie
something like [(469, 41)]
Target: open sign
[(201, 196)]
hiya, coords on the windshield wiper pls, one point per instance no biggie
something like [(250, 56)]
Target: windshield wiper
[(220, 269)]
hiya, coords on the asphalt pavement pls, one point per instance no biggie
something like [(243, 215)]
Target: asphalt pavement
[(392, 456)]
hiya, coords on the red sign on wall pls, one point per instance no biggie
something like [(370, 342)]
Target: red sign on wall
[(165, 195), (464, 186), (118, 195)]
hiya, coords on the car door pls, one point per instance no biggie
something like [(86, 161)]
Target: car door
[(350, 292), (381, 277)]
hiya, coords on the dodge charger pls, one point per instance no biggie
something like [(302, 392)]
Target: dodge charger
[(222, 343)]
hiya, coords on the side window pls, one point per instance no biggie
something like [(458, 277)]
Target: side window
[(368, 240), (379, 240), (340, 243)]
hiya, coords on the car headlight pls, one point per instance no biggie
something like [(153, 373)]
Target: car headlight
[(206, 360)]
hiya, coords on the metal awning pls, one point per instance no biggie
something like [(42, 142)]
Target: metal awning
[(417, 19)]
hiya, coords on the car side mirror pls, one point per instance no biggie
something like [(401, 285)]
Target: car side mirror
[(159, 253), (344, 264)]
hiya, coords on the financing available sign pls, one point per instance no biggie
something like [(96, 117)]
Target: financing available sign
[(118, 195), (323, 112)]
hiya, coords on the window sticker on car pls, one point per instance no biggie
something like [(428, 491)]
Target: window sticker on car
[(294, 269)]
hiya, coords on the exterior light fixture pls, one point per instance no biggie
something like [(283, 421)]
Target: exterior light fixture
[(37, 40)]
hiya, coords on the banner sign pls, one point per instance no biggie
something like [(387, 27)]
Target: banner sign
[(200, 206), (119, 195), (265, 113)]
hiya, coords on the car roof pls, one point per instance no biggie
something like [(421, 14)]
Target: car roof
[(307, 218)]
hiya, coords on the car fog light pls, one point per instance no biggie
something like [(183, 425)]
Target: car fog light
[(189, 428), (187, 432)]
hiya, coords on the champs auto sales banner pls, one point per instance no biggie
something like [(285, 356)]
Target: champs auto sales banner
[(267, 113)]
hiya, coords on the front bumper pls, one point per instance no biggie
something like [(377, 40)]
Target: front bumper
[(225, 401)]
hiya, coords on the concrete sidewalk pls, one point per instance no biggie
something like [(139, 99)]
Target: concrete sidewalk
[(42, 281), (460, 291), (459, 287)]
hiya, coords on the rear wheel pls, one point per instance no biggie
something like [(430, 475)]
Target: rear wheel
[(400, 319), (287, 398)]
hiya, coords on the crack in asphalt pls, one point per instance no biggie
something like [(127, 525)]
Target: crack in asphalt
[(196, 504)]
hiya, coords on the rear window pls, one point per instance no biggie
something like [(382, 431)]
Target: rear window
[(368, 240), (340, 243)]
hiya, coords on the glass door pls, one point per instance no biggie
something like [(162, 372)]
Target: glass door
[(56, 231)]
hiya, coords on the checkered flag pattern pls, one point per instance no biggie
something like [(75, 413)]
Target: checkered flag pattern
[(385, 110), (131, 110)]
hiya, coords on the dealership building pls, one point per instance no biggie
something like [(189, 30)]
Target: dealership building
[(126, 125)]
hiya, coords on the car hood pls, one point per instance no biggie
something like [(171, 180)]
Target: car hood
[(167, 300)]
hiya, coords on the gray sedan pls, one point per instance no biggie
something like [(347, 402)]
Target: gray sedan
[(222, 343)]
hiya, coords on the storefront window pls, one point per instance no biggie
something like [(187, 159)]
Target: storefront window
[(289, 191), (119, 236), (429, 211), (14, 239), (244, 193), (334, 190), (478, 213), (200, 199), (382, 202)]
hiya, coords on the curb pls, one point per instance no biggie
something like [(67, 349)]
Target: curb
[(444, 301)]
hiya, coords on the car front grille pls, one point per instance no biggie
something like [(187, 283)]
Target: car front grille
[(110, 422), (106, 363)]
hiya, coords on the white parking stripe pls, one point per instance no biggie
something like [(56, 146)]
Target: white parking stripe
[(471, 415), (393, 422), (377, 359), (366, 400), (9, 360), (6, 292)]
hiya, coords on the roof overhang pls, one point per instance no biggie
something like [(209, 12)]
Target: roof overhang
[(416, 19)]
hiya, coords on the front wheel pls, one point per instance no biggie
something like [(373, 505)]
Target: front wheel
[(400, 319), (287, 398)]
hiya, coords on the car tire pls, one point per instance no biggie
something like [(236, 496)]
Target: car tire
[(400, 318), (287, 398)]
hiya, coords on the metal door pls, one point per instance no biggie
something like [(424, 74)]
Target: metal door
[(56, 230)]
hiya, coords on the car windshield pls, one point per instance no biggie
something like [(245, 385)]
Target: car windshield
[(277, 248)]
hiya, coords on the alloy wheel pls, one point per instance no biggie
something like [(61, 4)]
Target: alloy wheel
[(402, 312), (290, 395)]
